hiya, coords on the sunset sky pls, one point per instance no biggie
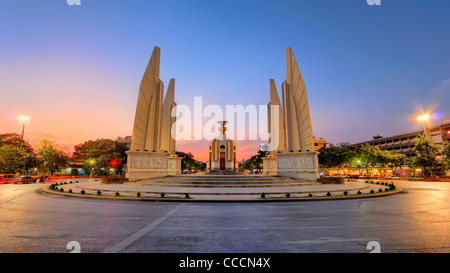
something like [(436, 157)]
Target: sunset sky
[(76, 70)]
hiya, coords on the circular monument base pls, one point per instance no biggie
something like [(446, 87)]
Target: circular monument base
[(225, 188)]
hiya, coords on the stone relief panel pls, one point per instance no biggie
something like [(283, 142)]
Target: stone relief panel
[(295, 162), (149, 162), (172, 164), (270, 164)]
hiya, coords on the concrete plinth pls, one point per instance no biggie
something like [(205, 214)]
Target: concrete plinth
[(269, 165), (144, 165), (174, 165), (299, 165)]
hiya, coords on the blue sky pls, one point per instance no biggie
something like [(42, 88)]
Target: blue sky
[(367, 69)]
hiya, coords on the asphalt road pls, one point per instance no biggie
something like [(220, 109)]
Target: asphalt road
[(415, 221)]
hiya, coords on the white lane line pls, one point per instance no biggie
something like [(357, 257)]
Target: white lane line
[(242, 228), (331, 240), (128, 241)]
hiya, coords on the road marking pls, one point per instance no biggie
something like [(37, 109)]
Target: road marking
[(242, 228), (128, 241), (330, 240)]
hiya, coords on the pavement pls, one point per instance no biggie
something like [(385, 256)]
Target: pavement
[(414, 221)]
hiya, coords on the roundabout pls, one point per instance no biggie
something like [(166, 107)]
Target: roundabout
[(226, 188)]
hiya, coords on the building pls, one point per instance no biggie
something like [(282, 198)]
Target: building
[(319, 143), (404, 143), (125, 140)]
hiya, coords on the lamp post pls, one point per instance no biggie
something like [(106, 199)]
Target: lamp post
[(92, 168), (23, 119), (424, 120)]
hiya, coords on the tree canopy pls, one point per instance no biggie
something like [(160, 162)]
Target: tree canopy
[(188, 163), (254, 162), (50, 157), (426, 155), (101, 155)]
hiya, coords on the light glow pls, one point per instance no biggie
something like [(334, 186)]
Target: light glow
[(24, 118), (423, 118)]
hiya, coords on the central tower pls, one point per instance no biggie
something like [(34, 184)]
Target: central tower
[(222, 152)]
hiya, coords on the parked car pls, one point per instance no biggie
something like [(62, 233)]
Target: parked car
[(6, 178), (24, 179)]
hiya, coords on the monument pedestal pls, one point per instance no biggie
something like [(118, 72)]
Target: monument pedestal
[(143, 165), (299, 165), (270, 165), (174, 165)]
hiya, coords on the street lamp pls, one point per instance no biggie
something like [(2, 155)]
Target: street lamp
[(424, 119), (23, 119), (92, 167)]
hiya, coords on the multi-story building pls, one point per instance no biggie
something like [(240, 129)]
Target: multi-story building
[(404, 143), (319, 143), (126, 140)]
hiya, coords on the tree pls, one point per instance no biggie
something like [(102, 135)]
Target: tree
[(446, 153), (50, 157), (254, 162), (100, 155), (397, 161), (12, 158), (188, 163), (334, 157), (426, 152), (16, 141)]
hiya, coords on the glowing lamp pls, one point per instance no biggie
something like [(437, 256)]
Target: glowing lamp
[(24, 118), (423, 117)]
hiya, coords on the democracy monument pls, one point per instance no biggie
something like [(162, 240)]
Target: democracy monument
[(290, 168), (152, 152)]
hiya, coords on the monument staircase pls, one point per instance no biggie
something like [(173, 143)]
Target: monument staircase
[(216, 185)]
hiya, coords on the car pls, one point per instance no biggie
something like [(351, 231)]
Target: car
[(6, 178), (24, 179)]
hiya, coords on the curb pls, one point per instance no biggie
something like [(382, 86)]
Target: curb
[(265, 200)]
